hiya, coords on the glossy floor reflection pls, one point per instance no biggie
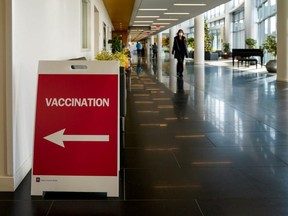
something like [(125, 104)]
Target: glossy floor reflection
[(214, 143)]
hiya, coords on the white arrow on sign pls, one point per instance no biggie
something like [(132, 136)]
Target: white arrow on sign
[(58, 138)]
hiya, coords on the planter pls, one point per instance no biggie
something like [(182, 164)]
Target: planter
[(226, 55), (191, 54), (211, 56), (271, 66), (123, 94)]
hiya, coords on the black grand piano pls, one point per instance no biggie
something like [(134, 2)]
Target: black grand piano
[(245, 53)]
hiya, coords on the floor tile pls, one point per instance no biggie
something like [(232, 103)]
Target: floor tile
[(187, 184), (149, 158), (247, 207), (248, 139), (226, 157), (270, 182), (24, 208)]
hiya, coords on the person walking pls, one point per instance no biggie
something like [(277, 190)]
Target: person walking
[(180, 51), (154, 50), (139, 48)]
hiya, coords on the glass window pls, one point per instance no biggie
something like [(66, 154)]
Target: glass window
[(273, 7), (273, 26), (222, 9), (238, 29), (267, 21), (216, 39), (215, 12), (237, 2)]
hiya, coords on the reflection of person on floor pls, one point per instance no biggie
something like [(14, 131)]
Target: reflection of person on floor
[(180, 50), (155, 68), (139, 68), (180, 100)]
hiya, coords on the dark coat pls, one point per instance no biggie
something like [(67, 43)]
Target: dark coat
[(177, 49)]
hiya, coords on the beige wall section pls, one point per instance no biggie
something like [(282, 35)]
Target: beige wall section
[(2, 90), (6, 180), (282, 39)]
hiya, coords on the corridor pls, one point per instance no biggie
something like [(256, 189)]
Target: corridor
[(213, 143)]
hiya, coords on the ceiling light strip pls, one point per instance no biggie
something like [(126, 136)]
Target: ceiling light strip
[(161, 23), (144, 21), (176, 13), (196, 5), (147, 16), (167, 19), (153, 9)]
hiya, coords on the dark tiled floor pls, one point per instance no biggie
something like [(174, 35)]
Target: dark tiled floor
[(214, 143)]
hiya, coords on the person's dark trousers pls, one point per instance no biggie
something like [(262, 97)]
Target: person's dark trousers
[(180, 66)]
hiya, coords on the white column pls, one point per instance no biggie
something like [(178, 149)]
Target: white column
[(227, 29), (159, 53), (172, 34), (152, 42), (159, 67), (152, 39), (199, 40), (282, 41), (251, 27), (147, 48)]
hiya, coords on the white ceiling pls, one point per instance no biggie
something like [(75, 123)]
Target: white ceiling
[(171, 8)]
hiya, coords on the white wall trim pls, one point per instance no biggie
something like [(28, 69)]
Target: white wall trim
[(22, 172), (10, 183)]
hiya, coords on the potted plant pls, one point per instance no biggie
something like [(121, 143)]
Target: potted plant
[(122, 57), (226, 50), (207, 38), (209, 55), (116, 43), (190, 42), (165, 45), (251, 43), (270, 46)]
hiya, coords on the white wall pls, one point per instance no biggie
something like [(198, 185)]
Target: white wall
[(42, 30), (103, 18)]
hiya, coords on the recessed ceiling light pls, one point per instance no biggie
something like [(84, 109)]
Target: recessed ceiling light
[(176, 4), (167, 19), (140, 25), (147, 21), (161, 23), (153, 9), (147, 16), (176, 13)]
